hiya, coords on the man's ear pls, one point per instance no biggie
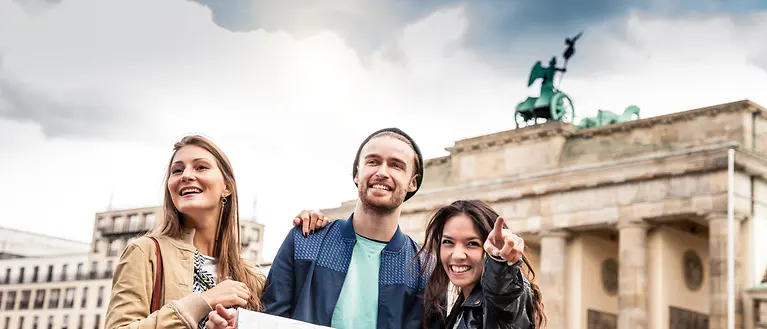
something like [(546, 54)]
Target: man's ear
[(413, 183), (357, 176)]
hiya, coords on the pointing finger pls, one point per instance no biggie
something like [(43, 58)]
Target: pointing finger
[(498, 227), (495, 235)]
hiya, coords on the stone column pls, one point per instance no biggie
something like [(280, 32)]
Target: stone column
[(748, 311), (632, 276), (717, 249), (552, 277)]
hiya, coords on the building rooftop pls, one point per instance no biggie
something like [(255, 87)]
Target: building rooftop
[(16, 243)]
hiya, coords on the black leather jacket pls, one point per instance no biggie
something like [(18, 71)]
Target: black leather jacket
[(501, 300)]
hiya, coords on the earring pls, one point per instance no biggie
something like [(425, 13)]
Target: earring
[(220, 216)]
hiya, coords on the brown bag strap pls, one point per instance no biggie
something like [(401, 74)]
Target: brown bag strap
[(156, 292)]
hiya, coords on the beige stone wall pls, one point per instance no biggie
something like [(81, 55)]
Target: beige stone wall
[(533, 255), (758, 230), (670, 136), (438, 173), (573, 284), (657, 299), (504, 160), (595, 251), (673, 244), (760, 135)]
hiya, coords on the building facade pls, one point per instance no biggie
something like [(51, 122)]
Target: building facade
[(626, 223), (51, 283)]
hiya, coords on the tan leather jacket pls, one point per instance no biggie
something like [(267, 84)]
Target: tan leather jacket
[(133, 283)]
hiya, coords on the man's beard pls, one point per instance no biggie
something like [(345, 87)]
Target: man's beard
[(381, 208)]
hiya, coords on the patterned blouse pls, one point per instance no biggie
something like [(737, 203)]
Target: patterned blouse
[(203, 280)]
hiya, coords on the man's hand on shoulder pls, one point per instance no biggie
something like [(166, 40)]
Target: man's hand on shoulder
[(310, 221)]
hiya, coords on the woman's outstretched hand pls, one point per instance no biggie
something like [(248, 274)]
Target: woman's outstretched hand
[(504, 244), (221, 318)]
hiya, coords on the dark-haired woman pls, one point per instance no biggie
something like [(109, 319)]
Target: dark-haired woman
[(484, 261)]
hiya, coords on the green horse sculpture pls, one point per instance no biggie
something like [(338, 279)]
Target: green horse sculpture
[(604, 118), (551, 104)]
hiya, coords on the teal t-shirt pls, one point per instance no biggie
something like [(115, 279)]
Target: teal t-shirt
[(357, 306)]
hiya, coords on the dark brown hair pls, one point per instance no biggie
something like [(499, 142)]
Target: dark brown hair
[(484, 218), (227, 244)]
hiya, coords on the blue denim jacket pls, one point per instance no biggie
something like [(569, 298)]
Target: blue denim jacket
[(308, 273)]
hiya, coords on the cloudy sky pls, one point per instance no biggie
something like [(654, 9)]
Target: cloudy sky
[(93, 93)]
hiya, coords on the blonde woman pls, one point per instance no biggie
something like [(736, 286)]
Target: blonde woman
[(198, 242)]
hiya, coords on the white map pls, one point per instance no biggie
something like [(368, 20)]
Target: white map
[(255, 320)]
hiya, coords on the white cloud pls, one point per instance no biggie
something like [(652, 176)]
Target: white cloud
[(290, 113)]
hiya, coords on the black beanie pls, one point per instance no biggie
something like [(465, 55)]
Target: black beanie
[(397, 131)]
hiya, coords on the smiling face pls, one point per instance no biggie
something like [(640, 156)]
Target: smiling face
[(385, 173), (461, 252), (195, 183)]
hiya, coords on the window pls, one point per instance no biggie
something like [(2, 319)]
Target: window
[(7, 276), (21, 322), (7, 322), (149, 221), (65, 322), (35, 272), (101, 297), (64, 273), (11, 301), (50, 274), (108, 272), (135, 222), (114, 248), (84, 300), (34, 322), (80, 322), (94, 269), (69, 298), (119, 225), (54, 301), (79, 275), (1, 298), (96, 246), (97, 323), (50, 322), (26, 295), (39, 298), (21, 275)]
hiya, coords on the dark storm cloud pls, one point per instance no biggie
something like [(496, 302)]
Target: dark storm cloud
[(35, 7), (496, 27), (83, 115)]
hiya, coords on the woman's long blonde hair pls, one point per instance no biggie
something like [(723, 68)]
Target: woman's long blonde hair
[(227, 244)]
